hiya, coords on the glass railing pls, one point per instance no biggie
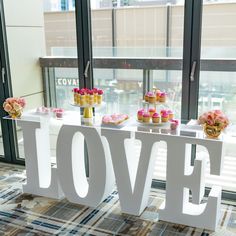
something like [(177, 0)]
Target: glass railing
[(125, 78)]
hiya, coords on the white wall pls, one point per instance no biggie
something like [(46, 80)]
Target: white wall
[(26, 43)]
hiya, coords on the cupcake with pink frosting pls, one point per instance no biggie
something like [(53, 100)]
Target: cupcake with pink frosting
[(140, 114), (99, 96), (146, 117), (162, 97), (163, 111), (146, 98), (164, 117), (151, 111), (155, 118), (151, 97), (171, 114), (174, 124)]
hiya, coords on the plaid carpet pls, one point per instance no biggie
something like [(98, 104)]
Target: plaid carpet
[(25, 214)]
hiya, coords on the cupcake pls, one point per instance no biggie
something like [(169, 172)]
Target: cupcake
[(140, 114), (95, 93), (151, 111), (174, 124), (90, 98), (75, 95), (158, 92), (171, 114), (99, 96), (59, 113), (82, 99), (151, 97), (146, 98), (164, 117), (162, 97), (146, 117), (163, 111), (87, 91), (78, 97), (155, 118)]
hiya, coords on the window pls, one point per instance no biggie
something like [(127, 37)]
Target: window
[(64, 5)]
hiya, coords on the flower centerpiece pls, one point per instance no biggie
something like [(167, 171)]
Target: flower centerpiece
[(213, 123), (14, 106)]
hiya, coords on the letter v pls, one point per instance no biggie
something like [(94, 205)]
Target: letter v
[(132, 202)]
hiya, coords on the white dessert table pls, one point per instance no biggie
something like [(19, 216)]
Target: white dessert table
[(110, 153)]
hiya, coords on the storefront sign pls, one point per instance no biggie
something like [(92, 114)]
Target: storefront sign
[(67, 82), (113, 149)]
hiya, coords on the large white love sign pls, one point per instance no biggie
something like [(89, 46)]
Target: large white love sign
[(110, 149)]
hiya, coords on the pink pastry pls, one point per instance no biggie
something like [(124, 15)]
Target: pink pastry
[(151, 111), (114, 119), (150, 94), (140, 114), (146, 117), (163, 111), (164, 117), (100, 91), (106, 119), (156, 118), (171, 114), (162, 97), (174, 124), (95, 90)]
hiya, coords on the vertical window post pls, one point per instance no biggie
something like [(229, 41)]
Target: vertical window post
[(84, 42)]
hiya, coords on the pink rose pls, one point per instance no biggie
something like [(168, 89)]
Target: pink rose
[(10, 100), (21, 102), (218, 112), (7, 107)]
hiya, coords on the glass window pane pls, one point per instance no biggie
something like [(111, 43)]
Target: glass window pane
[(65, 80), (217, 89), (122, 95), (59, 27)]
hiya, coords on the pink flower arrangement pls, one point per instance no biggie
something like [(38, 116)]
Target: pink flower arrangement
[(14, 105), (214, 117)]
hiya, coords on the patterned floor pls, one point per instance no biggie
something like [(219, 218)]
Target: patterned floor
[(24, 214)]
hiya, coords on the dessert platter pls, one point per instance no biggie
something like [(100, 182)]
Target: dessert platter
[(155, 97), (114, 120), (87, 99), (153, 118), (150, 115)]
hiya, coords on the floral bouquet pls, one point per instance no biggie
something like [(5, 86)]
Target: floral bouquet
[(214, 122), (14, 106), (215, 117)]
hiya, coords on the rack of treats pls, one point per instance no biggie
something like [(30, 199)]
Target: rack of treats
[(114, 119), (152, 116), (87, 97), (156, 96)]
